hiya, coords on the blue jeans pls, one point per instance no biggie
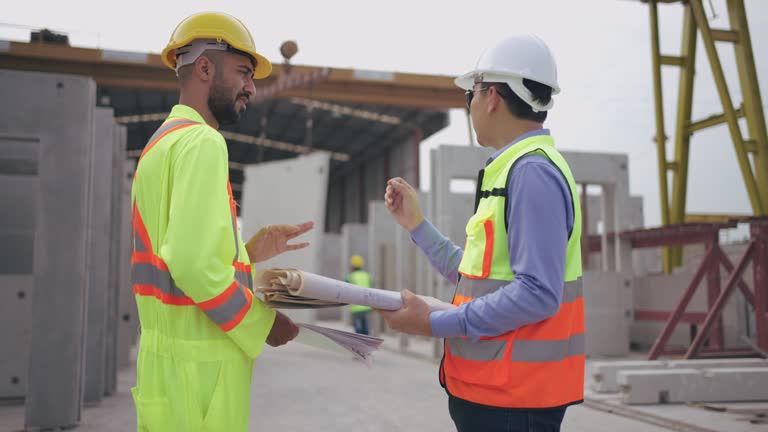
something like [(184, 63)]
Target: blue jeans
[(360, 321), (471, 417)]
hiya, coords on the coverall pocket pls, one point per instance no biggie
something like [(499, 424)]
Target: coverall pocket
[(229, 406), (152, 415)]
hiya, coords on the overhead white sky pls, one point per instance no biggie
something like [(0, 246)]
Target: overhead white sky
[(602, 48)]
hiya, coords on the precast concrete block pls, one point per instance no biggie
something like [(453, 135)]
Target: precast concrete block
[(694, 385)]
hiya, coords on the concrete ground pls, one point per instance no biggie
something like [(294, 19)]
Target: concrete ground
[(298, 388)]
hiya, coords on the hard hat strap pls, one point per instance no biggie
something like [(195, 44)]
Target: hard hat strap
[(517, 86), (189, 53)]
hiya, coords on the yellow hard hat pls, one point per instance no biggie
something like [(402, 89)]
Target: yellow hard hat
[(219, 26), (357, 261)]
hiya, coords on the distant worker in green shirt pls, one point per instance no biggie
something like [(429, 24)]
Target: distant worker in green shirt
[(362, 278)]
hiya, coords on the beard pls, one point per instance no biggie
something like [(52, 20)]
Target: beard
[(222, 105)]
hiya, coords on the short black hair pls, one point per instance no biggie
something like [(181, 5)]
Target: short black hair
[(542, 93)]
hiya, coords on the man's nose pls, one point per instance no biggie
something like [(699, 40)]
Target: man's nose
[(250, 88)]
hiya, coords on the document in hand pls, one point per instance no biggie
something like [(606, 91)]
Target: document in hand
[(291, 288), (339, 341)]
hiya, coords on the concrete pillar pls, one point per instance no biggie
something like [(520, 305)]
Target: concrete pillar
[(56, 113)]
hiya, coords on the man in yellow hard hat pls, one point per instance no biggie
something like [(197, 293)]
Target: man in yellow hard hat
[(362, 278), (201, 326)]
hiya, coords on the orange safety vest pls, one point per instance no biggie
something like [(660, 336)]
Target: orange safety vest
[(540, 365)]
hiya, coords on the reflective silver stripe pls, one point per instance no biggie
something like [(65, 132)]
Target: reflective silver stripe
[(478, 287), (168, 126), (234, 232), (481, 350), (475, 288), (547, 350), (138, 244), (573, 290), (228, 310), (148, 274), (244, 279)]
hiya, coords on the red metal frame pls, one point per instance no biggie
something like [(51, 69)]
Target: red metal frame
[(712, 330)]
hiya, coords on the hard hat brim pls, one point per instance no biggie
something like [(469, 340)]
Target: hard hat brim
[(467, 81)]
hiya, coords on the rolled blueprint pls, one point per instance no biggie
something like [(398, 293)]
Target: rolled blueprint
[(292, 288)]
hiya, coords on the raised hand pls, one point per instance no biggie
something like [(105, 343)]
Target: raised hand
[(272, 240), (403, 204)]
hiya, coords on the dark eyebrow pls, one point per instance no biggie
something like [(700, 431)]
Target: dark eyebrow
[(244, 68)]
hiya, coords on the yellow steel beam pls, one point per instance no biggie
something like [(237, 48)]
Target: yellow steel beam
[(661, 137), (682, 135), (728, 110), (713, 120), (753, 105), (673, 60), (725, 35)]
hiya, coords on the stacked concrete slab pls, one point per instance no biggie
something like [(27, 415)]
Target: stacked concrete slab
[(381, 261), (694, 385), (604, 374), (290, 191), (61, 253)]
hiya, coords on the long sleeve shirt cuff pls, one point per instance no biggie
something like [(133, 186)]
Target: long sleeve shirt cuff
[(448, 323), (425, 234)]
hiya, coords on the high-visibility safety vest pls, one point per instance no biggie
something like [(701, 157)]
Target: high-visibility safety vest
[(201, 326), (360, 278), (540, 365)]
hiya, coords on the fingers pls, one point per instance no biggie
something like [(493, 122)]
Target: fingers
[(392, 198), (293, 247), (400, 184), (297, 230)]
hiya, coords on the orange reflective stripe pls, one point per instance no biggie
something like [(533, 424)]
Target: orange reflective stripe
[(487, 252), (142, 243), (153, 291), (219, 299), (233, 210), (225, 308), (232, 323), (459, 300)]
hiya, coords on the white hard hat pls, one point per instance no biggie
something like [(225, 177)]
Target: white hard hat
[(510, 61)]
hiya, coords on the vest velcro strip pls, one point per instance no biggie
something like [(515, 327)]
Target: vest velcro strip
[(499, 192)]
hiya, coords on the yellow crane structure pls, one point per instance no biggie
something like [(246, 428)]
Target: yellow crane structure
[(751, 150)]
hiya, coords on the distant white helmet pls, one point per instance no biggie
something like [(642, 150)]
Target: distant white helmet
[(510, 61)]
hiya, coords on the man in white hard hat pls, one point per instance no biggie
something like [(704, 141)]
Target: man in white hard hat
[(514, 345)]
